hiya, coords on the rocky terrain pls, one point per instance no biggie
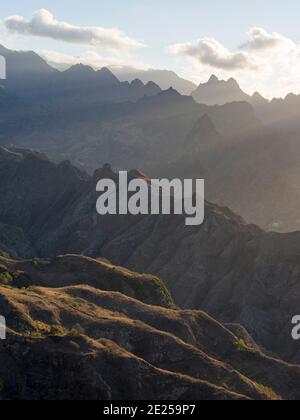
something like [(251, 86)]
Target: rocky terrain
[(116, 346), (236, 272)]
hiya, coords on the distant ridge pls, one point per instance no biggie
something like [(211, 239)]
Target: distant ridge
[(30, 77), (163, 78), (220, 92), (25, 64)]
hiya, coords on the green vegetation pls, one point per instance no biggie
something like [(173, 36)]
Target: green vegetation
[(74, 332), (165, 292), (269, 392), (6, 278), (241, 345), (57, 330)]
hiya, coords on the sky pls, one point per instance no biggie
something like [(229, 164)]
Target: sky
[(256, 42)]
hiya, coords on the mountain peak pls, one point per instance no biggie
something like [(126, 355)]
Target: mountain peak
[(170, 92), (213, 79), (258, 99), (137, 83), (107, 76), (203, 128), (205, 121), (233, 82), (79, 69), (219, 92), (152, 85), (105, 172)]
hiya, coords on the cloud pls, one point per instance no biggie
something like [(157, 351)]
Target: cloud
[(210, 52), (89, 58), (267, 61), (261, 40), (43, 24)]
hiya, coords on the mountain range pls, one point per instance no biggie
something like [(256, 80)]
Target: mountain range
[(220, 92), (107, 324), (163, 78), (169, 135), (163, 134), (32, 79), (230, 269), (70, 286)]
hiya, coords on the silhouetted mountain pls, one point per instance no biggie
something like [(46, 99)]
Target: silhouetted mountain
[(144, 134), (220, 92), (26, 65), (257, 177), (258, 100), (78, 118), (280, 111), (193, 157), (85, 74), (163, 78), (91, 87), (31, 78)]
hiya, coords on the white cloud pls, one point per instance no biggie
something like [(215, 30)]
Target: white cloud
[(261, 40), (43, 24), (267, 61), (210, 52)]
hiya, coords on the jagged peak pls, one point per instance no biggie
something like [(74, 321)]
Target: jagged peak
[(258, 99), (257, 95), (105, 172), (137, 83), (233, 83), (135, 173), (170, 92), (107, 72), (213, 79), (291, 96), (107, 75), (152, 85), (205, 120), (203, 126)]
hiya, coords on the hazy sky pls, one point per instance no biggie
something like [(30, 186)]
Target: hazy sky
[(257, 42)]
